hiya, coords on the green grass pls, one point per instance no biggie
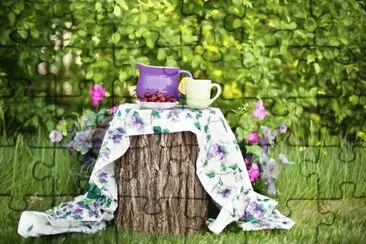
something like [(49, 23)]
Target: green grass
[(322, 192)]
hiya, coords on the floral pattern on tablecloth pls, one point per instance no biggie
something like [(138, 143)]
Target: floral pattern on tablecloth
[(220, 168)]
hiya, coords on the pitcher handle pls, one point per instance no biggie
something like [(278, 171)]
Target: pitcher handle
[(218, 92), (185, 72)]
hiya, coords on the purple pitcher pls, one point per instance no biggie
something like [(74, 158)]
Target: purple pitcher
[(159, 78)]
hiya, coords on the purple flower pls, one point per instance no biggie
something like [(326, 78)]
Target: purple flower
[(259, 112), (271, 189), (254, 172), (82, 141), (217, 151), (253, 138), (283, 159), (55, 136), (268, 135), (282, 128), (98, 137), (273, 168), (97, 93), (248, 161)]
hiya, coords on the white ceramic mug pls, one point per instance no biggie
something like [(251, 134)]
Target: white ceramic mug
[(198, 93)]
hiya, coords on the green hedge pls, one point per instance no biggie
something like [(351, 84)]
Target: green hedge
[(305, 59)]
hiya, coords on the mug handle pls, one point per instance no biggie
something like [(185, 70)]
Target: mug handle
[(185, 72), (218, 93)]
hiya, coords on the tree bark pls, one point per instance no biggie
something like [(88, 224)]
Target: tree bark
[(158, 190)]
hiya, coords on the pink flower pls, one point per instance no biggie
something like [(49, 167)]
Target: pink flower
[(259, 112), (254, 172), (113, 109), (97, 94), (253, 138)]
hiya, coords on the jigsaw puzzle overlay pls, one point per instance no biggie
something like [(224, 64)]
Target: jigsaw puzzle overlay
[(230, 42)]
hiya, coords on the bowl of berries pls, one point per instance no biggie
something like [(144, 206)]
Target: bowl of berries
[(157, 100)]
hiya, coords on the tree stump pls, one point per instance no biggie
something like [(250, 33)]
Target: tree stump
[(158, 190)]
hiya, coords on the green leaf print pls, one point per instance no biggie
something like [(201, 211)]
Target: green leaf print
[(206, 129), (197, 125), (93, 192), (249, 218), (189, 116), (119, 113), (223, 167), (208, 137), (210, 174), (29, 229), (246, 191), (223, 123), (199, 114), (155, 114), (159, 130), (233, 167)]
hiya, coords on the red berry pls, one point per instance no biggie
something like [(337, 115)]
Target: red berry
[(147, 94), (162, 99)]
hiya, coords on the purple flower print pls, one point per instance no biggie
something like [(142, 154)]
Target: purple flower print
[(116, 135), (77, 211), (96, 205), (244, 216), (217, 151), (225, 192), (136, 122), (58, 213), (212, 111), (103, 176), (104, 153), (173, 115), (255, 209)]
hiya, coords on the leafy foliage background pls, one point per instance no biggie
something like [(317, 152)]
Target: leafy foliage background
[(305, 59)]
